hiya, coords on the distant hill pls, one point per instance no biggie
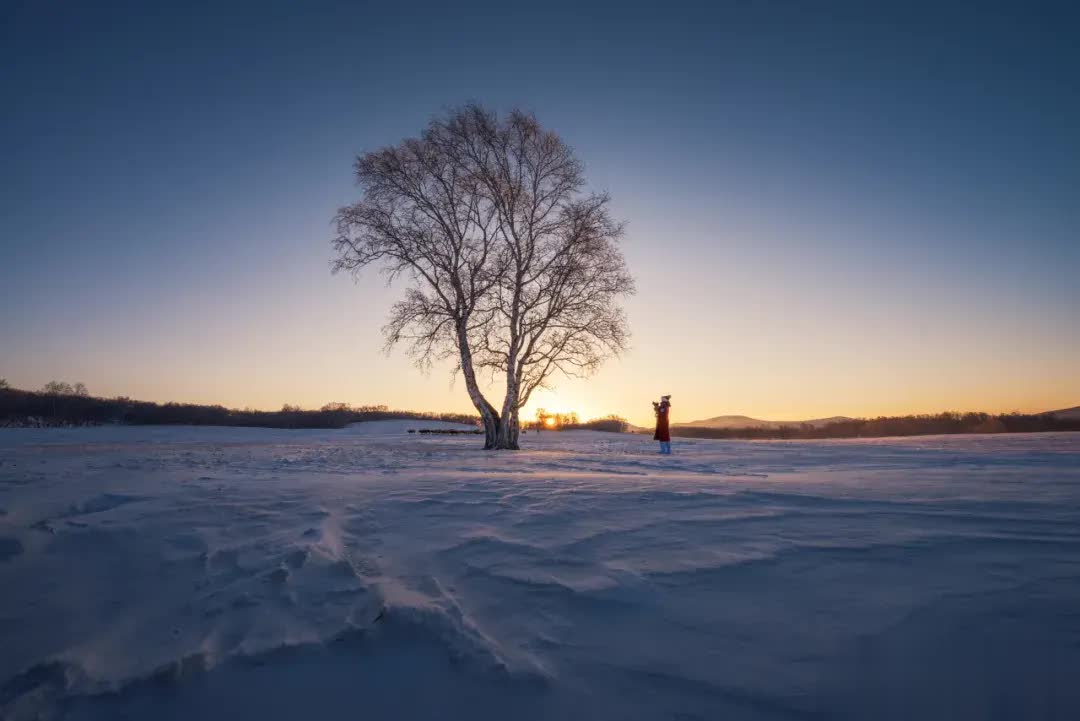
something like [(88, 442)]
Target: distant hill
[(1066, 414), (748, 422)]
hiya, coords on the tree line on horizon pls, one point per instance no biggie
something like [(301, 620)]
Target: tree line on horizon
[(64, 404), (928, 424), (569, 421)]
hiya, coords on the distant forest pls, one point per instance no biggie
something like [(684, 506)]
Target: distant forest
[(920, 425), (61, 404)]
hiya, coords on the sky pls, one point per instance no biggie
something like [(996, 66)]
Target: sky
[(832, 208)]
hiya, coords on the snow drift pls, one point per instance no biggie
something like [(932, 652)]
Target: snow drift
[(176, 573)]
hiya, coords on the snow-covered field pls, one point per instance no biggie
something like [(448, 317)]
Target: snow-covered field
[(210, 573)]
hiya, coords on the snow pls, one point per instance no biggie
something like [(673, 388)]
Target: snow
[(212, 573)]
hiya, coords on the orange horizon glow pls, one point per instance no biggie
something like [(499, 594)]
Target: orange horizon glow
[(806, 350), (597, 400)]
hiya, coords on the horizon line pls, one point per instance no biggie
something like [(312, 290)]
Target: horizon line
[(390, 408)]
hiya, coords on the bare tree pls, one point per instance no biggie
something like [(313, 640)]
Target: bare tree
[(4, 384), (80, 390), (514, 268), (557, 299), (58, 388), (422, 216)]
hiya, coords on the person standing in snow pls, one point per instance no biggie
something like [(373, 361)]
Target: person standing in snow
[(663, 427)]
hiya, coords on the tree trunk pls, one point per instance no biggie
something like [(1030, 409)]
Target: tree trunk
[(488, 415), (515, 428), (508, 419), (491, 428), (507, 438)]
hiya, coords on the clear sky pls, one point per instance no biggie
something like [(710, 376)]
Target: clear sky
[(834, 208)]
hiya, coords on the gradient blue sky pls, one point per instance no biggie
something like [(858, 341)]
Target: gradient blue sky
[(834, 208)]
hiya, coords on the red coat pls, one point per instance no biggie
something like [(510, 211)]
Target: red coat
[(663, 429)]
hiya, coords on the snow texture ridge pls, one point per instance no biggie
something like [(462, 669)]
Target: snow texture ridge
[(176, 573)]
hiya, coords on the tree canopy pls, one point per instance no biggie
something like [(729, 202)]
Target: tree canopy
[(514, 268)]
